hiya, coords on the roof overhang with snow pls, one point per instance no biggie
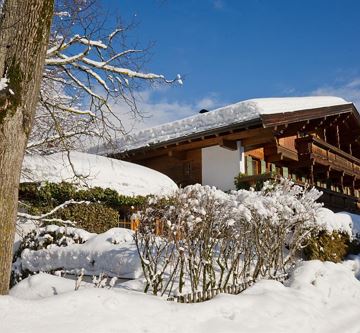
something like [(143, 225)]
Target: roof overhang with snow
[(249, 114)]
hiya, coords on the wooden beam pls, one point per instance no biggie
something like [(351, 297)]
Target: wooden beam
[(254, 132), (301, 115), (274, 158), (287, 153), (227, 144), (255, 141), (180, 155)]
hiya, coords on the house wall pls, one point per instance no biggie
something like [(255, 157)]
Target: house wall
[(220, 166), (183, 170)]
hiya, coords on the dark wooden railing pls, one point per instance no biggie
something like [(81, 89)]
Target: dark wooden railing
[(327, 154), (332, 198)]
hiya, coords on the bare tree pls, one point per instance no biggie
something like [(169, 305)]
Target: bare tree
[(24, 33), (89, 67)]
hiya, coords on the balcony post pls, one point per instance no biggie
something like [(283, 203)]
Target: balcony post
[(312, 173), (353, 187), (342, 182), (337, 136)]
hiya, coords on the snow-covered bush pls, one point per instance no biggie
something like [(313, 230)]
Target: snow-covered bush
[(42, 197), (338, 236), (110, 254), (202, 238), (283, 216), (44, 238)]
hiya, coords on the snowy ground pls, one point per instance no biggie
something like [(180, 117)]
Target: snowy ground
[(320, 297)]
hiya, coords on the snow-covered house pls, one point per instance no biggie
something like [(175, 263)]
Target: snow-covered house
[(310, 139)]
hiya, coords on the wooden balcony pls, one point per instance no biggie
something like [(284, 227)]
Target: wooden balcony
[(335, 200), (314, 149)]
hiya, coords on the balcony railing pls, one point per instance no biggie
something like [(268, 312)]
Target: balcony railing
[(333, 197), (326, 154)]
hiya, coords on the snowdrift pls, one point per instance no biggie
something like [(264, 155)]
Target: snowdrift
[(319, 297)]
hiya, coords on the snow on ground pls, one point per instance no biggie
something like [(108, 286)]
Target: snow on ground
[(319, 297), (43, 285), (112, 252), (124, 177), (228, 115)]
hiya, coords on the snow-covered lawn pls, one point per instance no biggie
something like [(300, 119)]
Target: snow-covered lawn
[(319, 297)]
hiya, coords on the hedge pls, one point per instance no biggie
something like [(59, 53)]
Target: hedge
[(327, 247), (103, 212), (44, 196), (94, 217)]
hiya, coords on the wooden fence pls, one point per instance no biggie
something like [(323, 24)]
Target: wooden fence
[(200, 296), (133, 224)]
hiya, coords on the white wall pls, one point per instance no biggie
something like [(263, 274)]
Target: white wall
[(220, 166)]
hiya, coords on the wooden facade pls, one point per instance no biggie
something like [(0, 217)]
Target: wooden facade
[(317, 146)]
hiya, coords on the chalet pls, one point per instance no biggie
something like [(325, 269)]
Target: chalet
[(313, 140)]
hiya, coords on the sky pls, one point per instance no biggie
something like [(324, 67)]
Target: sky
[(228, 51)]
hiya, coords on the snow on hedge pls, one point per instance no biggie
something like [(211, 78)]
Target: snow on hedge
[(113, 253), (353, 219), (344, 222), (228, 115), (124, 177), (319, 298)]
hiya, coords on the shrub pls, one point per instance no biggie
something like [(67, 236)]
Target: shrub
[(44, 196), (42, 238), (105, 208), (354, 245), (326, 246), (93, 217), (204, 238), (239, 183), (262, 179)]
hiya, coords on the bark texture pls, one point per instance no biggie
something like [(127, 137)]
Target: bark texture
[(24, 33)]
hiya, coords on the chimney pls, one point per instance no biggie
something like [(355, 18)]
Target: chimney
[(203, 111)]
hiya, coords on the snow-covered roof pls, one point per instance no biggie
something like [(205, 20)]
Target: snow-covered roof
[(233, 114), (125, 177)]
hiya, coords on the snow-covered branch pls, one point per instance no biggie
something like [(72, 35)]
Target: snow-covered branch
[(88, 71), (45, 217)]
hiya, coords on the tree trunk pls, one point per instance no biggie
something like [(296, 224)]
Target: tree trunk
[(24, 33)]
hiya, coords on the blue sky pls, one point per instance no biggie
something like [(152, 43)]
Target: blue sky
[(234, 50)]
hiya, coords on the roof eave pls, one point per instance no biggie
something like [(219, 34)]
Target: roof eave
[(235, 126)]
